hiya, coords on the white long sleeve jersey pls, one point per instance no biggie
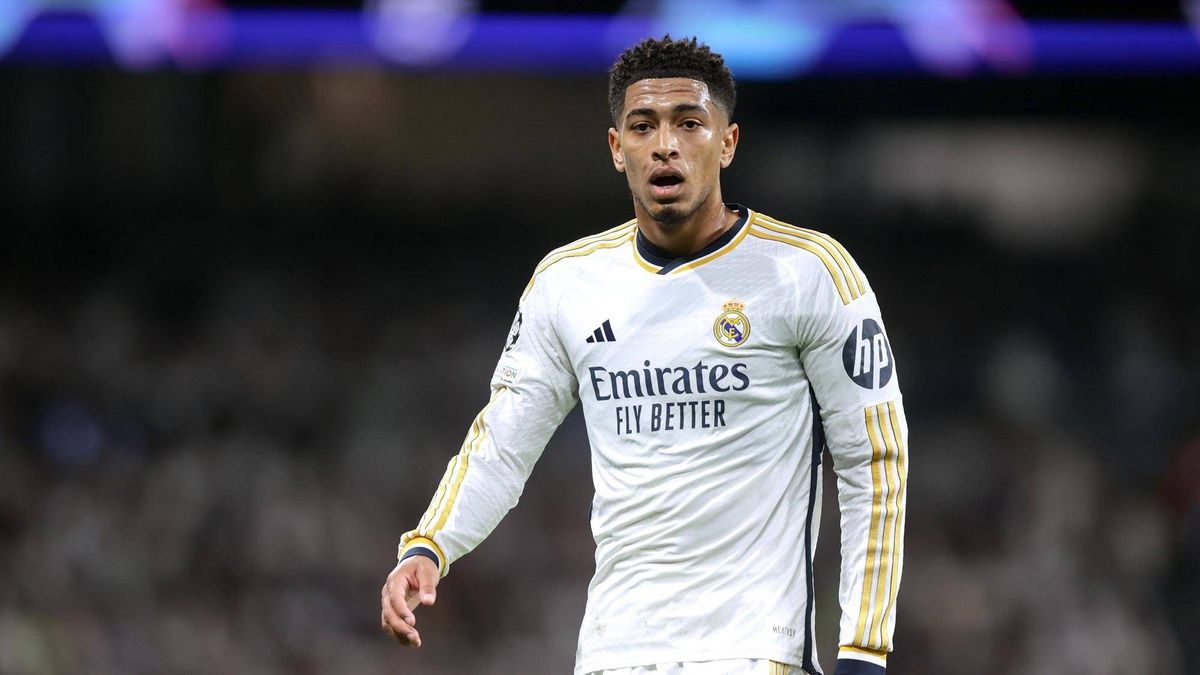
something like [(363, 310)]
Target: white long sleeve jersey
[(710, 385)]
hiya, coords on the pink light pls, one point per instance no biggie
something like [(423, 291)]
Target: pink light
[(952, 36), (145, 33)]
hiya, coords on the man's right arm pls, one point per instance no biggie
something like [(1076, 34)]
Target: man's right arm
[(533, 388)]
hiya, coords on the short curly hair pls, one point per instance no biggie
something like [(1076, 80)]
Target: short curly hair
[(670, 58)]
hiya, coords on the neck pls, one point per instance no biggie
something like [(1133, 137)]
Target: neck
[(691, 234)]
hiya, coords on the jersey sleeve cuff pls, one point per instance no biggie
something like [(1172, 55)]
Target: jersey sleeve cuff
[(428, 548), (858, 661)]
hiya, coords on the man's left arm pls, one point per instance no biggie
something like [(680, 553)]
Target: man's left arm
[(848, 359)]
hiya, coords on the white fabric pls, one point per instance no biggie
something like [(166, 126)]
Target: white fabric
[(702, 451), (724, 667)]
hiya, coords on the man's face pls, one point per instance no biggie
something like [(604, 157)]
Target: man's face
[(671, 142)]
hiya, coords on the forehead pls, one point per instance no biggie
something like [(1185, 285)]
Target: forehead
[(664, 93)]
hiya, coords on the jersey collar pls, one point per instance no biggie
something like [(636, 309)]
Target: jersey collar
[(658, 261)]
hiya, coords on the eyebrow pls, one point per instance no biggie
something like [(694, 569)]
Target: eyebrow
[(681, 108)]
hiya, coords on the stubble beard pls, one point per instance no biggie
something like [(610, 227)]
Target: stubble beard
[(670, 217)]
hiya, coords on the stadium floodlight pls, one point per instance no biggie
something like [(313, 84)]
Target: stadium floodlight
[(138, 33), (14, 17), (1191, 9), (766, 40), (948, 37), (420, 32)]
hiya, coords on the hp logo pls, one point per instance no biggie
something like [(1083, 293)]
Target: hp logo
[(867, 356)]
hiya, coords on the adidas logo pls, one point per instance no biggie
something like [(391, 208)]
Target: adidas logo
[(603, 333)]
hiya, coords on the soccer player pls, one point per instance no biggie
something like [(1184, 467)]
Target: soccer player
[(717, 351)]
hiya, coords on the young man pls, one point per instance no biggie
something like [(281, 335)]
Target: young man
[(716, 351)]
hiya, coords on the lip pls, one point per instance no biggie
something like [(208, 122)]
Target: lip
[(665, 192)]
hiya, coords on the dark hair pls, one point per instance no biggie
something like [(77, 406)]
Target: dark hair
[(670, 58)]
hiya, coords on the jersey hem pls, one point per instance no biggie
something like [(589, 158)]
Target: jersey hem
[(876, 657), (652, 657)]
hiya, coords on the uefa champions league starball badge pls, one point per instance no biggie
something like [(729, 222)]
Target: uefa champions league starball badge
[(732, 327)]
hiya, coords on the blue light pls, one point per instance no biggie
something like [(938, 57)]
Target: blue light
[(499, 43)]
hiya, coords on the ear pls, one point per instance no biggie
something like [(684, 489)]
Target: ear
[(614, 146), (729, 141)]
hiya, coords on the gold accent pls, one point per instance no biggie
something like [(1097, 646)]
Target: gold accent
[(611, 238), (410, 541), (839, 252), (861, 635), (642, 262), (717, 253), (883, 575), (734, 306), (435, 503), (734, 316), (564, 252), (474, 440), (874, 653), (886, 553), (901, 466), (820, 253)]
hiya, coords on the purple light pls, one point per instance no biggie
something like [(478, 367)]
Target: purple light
[(586, 44)]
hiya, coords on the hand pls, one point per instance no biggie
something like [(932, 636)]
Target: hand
[(412, 583)]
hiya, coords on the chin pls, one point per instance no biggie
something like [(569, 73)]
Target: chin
[(668, 214), (665, 214)]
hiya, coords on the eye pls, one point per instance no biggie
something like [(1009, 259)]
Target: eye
[(692, 124), (640, 126)]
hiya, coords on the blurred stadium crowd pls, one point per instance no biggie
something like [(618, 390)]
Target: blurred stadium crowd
[(245, 319)]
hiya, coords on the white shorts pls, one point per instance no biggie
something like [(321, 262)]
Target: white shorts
[(721, 667)]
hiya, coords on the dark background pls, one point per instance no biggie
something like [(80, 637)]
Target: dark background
[(247, 316)]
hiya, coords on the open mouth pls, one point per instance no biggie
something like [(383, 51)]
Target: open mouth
[(666, 186), (666, 181)]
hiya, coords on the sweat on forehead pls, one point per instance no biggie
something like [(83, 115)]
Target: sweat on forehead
[(655, 96), (668, 58)]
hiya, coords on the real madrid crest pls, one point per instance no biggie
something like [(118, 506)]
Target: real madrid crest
[(732, 327)]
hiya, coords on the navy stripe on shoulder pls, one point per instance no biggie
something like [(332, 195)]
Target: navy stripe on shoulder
[(856, 667)]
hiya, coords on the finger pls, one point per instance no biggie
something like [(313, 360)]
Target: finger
[(427, 580), (387, 627), (398, 629), (396, 600)]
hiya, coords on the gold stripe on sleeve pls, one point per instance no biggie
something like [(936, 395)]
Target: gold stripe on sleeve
[(835, 249), (901, 466), (474, 440), (873, 653), (861, 634), (855, 271), (887, 552), (443, 492), (434, 504), (819, 252)]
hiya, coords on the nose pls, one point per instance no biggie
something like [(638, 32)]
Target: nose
[(667, 145)]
